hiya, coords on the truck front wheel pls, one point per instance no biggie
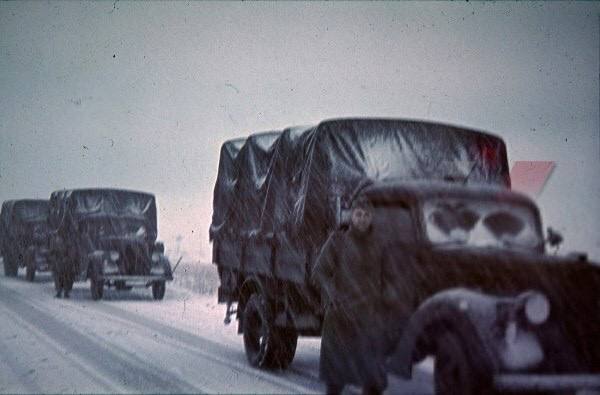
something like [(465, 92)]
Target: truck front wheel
[(10, 267), (287, 341), (266, 346), (30, 270), (158, 290), (454, 370), (96, 288)]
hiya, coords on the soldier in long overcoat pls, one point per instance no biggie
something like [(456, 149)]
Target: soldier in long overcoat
[(349, 274), (62, 268)]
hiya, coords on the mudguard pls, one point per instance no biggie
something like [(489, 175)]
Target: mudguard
[(250, 285), (164, 261), (468, 314)]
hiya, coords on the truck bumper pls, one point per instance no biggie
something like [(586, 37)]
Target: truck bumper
[(135, 281), (42, 266), (582, 383)]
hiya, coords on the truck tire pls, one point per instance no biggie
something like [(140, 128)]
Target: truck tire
[(287, 340), (30, 270), (30, 273), (158, 290), (96, 287), (455, 372), (266, 346), (10, 268)]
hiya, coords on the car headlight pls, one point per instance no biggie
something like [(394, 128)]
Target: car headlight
[(536, 307), (114, 255), (155, 257), (110, 267)]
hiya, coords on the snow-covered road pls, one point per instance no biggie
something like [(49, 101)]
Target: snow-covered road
[(129, 343)]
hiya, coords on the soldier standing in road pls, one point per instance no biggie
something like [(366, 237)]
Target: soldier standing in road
[(349, 273), (61, 268)]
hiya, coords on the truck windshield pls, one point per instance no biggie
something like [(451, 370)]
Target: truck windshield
[(481, 224), (107, 227)]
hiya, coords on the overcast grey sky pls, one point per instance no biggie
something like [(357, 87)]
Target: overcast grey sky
[(141, 95)]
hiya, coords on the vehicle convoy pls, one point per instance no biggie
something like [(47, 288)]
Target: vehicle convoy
[(109, 237), (23, 236), (472, 284)]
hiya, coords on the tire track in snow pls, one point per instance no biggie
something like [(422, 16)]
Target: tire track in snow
[(131, 375), (182, 341), (17, 369), (216, 352), (54, 347)]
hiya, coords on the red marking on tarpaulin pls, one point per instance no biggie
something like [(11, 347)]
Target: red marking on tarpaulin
[(530, 176)]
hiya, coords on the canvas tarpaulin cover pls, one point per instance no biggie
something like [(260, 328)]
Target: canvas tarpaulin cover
[(25, 210), (19, 220), (69, 206), (16, 214), (287, 182), (226, 181)]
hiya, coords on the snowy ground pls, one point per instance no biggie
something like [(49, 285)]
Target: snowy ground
[(129, 343)]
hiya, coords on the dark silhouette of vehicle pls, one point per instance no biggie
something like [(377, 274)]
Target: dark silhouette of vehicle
[(24, 236), (280, 194), (472, 284), (110, 238)]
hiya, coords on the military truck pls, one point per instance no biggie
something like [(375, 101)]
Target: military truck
[(473, 284), (23, 236), (109, 237)]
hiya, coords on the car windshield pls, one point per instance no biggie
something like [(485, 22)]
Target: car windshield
[(32, 211), (481, 224), (107, 227)]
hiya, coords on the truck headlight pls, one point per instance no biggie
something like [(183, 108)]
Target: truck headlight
[(155, 257), (110, 267), (536, 307), (114, 255)]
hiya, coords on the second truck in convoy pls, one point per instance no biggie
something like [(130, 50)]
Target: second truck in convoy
[(109, 237)]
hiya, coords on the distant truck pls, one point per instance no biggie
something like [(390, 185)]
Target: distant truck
[(474, 286), (24, 236), (110, 237)]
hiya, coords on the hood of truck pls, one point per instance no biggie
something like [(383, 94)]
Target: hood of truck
[(572, 286), (506, 269)]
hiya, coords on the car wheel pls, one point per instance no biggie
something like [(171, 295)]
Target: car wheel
[(96, 288), (10, 268), (158, 290), (287, 340), (266, 346), (454, 371), (30, 271)]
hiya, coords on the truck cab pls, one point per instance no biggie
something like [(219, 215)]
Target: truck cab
[(473, 286), (109, 237)]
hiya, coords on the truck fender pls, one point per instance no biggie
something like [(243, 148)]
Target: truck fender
[(166, 264), (466, 313)]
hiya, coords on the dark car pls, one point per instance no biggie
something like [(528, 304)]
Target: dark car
[(23, 236), (473, 286), (110, 238)]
